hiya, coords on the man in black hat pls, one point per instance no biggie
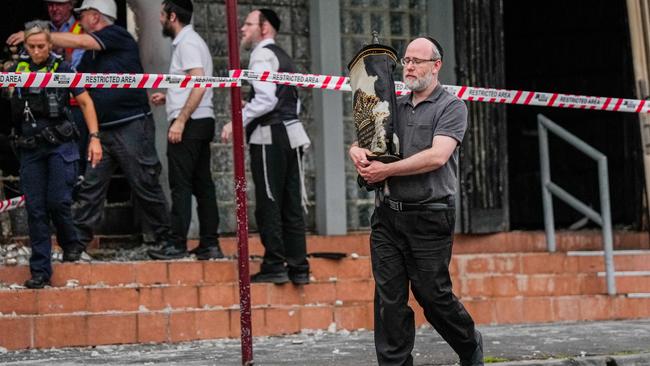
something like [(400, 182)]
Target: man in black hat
[(191, 129), (277, 140)]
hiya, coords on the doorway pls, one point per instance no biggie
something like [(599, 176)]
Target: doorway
[(567, 47)]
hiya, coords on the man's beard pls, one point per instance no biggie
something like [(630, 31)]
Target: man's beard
[(167, 30), (246, 45), (419, 84)]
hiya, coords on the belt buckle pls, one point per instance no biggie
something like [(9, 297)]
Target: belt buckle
[(394, 205)]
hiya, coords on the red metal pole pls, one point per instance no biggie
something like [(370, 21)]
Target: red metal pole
[(240, 190)]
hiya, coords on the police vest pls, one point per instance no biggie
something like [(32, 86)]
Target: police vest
[(75, 29), (43, 103)]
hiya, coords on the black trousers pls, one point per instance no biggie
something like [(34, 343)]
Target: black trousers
[(279, 217), (414, 247), (132, 148), (189, 174)]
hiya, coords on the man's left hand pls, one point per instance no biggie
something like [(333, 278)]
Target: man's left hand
[(175, 133), (16, 38), (375, 172)]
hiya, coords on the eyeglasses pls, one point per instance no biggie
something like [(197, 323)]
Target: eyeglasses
[(416, 61), (39, 24)]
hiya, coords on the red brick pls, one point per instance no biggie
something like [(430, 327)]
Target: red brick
[(60, 331), (70, 271), (181, 296), (591, 284), (185, 273), (112, 273), (153, 327), (351, 317), (14, 274), (316, 317), (475, 286), (420, 319), (19, 301), (630, 308), (150, 273), (637, 262), (152, 298), (590, 264), (285, 295), (370, 315), (112, 329), (568, 284), (542, 263), (113, 299), (258, 323), (482, 311), (630, 284), (219, 271), (320, 293), (454, 267), (509, 310), (259, 293), (595, 307), (538, 310), (16, 332), (505, 285), (182, 326), (353, 290), (217, 295), (566, 308), (324, 269), (507, 263), (355, 268), (53, 301), (283, 320), (478, 264), (212, 324)]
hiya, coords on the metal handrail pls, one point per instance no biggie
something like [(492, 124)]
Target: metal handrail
[(604, 218)]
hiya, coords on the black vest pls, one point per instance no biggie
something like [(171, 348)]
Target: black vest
[(287, 107)]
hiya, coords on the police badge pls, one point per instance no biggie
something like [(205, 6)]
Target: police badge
[(374, 101)]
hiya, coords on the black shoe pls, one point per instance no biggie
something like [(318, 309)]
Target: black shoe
[(72, 255), (37, 281), (167, 251), (301, 278), (477, 356), (206, 253), (273, 277)]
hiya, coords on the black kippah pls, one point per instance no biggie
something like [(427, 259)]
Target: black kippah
[(183, 4), (272, 17), (437, 44)]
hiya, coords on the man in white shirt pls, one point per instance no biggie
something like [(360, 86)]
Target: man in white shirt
[(191, 116), (277, 140)]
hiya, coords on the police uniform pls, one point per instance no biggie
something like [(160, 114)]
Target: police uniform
[(46, 146)]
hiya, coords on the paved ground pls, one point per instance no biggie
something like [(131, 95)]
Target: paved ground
[(628, 342)]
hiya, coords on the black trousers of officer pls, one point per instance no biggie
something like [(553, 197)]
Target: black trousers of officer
[(280, 217), (47, 175), (131, 147), (189, 174), (415, 247)]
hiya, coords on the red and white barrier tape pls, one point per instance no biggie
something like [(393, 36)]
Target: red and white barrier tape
[(468, 93), (11, 204), (312, 81), (126, 81)]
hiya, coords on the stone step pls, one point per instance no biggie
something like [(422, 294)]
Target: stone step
[(177, 325)]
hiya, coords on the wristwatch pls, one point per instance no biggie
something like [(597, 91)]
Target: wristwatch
[(94, 135)]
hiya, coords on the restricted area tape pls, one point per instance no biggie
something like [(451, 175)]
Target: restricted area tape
[(126, 81), (469, 93), (11, 204)]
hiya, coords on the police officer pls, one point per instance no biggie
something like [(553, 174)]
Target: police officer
[(47, 149)]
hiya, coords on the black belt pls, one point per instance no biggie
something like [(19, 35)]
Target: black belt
[(444, 204)]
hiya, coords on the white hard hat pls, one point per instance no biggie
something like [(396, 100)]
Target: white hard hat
[(106, 7), (59, 1)]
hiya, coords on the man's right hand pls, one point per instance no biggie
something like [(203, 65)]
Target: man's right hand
[(226, 132), (359, 156), (158, 99), (16, 38)]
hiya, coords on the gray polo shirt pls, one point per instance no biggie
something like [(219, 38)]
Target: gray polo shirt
[(440, 114)]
